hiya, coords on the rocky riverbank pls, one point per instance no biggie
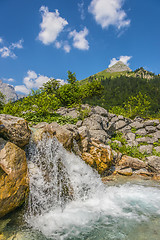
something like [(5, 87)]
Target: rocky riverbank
[(91, 139)]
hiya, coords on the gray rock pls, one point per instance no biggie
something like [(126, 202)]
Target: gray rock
[(142, 171), (120, 117), (137, 125), (126, 129), (158, 127), (130, 162), (83, 132), (114, 119), (143, 140), (79, 123), (154, 123), (152, 140), (132, 143), (120, 124), (141, 131), (2, 143), (8, 91), (150, 129), (98, 135), (146, 149), (101, 111), (93, 123), (111, 115), (130, 136), (156, 134), (157, 149), (153, 163)]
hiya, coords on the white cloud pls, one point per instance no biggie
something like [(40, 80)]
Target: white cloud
[(81, 9), (109, 12), (51, 26), (1, 40), (17, 44), (67, 48), (8, 79), (58, 44), (61, 81), (22, 89), (8, 51), (79, 40), (124, 59)]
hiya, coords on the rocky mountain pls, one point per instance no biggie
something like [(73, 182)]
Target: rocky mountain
[(9, 92), (118, 67)]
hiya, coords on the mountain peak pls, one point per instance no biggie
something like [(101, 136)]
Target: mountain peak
[(119, 67)]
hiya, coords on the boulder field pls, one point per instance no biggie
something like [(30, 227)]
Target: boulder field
[(90, 139)]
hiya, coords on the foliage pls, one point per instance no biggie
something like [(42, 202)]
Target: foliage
[(40, 105), (1, 100)]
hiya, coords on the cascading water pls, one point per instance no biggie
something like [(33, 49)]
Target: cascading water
[(68, 200)]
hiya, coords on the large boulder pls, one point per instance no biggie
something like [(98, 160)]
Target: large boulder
[(13, 178), (14, 129)]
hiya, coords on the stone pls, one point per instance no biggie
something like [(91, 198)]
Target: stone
[(40, 125), (153, 163), (154, 123), (143, 139), (99, 157), (132, 143), (137, 125), (143, 172), (141, 131), (120, 117), (130, 162), (79, 123), (118, 143), (118, 67), (120, 124), (15, 130), (126, 129), (115, 119), (130, 136), (2, 143), (156, 134), (146, 149), (158, 127), (150, 129), (98, 135), (14, 184), (157, 149), (125, 172), (93, 123), (101, 111)]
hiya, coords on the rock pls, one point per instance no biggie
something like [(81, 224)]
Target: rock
[(13, 178), (143, 172), (15, 130), (125, 172), (2, 143), (156, 134), (132, 143), (84, 137), (116, 156), (120, 124), (143, 140), (157, 149), (79, 123), (130, 162), (137, 125), (93, 123), (130, 136), (100, 111), (119, 67), (158, 127), (153, 163), (99, 135), (99, 157), (126, 129), (151, 123), (118, 143), (141, 131), (146, 149), (150, 129), (114, 119), (40, 125)]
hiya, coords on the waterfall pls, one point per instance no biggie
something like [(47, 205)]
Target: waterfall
[(67, 199)]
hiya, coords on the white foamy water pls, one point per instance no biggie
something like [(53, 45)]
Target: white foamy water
[(89, 209)]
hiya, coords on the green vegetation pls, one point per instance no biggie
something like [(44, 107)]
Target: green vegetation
[(1, 100), (41, 105), (128, 95)]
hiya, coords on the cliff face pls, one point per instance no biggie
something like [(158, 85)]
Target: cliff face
[(9, 92)]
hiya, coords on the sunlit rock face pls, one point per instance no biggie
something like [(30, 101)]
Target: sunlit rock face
[(8, 91), (119, 67), (13, 178)]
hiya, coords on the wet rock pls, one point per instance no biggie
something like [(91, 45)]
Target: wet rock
[(15, 130), (13, 178), (125, 172)]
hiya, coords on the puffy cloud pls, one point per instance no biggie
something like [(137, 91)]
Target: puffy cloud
[(22, 89), (8, 51), (8, 79), (81, 9), (67, 48), (124, 59), (109, 12), (79, 40), (1, 40), (33, 81), (51, 26)]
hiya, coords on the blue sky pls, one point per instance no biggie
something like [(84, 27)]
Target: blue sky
[(40, 39)]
